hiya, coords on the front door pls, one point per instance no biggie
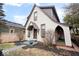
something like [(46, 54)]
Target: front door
[(35, 34)]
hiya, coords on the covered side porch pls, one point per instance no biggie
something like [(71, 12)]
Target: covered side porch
[(62, 36)]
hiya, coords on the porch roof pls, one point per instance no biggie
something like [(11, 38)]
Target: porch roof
[(33, 25)]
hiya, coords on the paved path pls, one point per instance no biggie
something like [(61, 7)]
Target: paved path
[(66, 48), (75, 48), (12, 49)]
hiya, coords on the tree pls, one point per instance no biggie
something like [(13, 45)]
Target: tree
[(2, 23), (2, 15), (1, 11), (72, 16)]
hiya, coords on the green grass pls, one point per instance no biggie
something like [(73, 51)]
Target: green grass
[(6, 45)]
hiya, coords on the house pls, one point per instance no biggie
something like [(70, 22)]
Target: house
[(10, 31), (43, 19)]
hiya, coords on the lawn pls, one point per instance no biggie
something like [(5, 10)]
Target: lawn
[(6, 45)]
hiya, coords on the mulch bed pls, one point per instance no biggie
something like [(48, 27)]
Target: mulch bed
[(75, 39), (57, 51)]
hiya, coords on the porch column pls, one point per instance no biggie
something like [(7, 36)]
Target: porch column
[(54, 38), (67, 37), (32, 34)]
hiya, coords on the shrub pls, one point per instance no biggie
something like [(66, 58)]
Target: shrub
[(75, 39), (48, 40)]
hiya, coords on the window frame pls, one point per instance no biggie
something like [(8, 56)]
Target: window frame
[(43, 30), (11, 31), (35, 16)]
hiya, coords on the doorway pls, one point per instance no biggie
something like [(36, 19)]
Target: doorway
[(35, 34), (59, 36)]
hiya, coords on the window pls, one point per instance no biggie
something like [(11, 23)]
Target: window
[(23, 31), (28, 33), (11, 30), (35, 15), (42, 30)]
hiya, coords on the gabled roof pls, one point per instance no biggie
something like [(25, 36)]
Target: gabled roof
[(12, 24), (30, 14), (34, 25), (31, 11), (46, 7), (50, 11)]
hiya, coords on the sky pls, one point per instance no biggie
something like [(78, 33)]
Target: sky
[(18, 12)]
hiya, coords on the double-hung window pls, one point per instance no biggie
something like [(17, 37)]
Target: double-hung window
[(35, 16), (43, 30)]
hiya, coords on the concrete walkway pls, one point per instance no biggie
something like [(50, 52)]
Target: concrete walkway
[(12, 49)]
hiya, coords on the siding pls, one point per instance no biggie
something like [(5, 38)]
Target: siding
[(12, 37), (50, 13)]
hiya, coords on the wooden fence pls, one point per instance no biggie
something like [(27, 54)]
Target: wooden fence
[(9, 37)]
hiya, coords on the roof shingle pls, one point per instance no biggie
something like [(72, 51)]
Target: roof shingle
[(12, 24)]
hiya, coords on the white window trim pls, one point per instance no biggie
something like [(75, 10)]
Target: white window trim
[(12, 29), (35, 15)]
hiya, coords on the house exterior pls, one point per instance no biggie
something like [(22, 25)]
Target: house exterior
[(10, 31), (43, 19)]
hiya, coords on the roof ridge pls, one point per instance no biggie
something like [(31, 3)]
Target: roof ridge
[(11, 22), (46, 6)]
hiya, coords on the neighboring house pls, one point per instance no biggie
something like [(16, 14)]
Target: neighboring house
[(42, 19), (10, 31)]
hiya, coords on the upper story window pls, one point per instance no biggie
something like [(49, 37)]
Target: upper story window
[(35, 15), (11, 31), (43, 30)]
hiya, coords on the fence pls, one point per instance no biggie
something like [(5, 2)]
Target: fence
[(8, 37)]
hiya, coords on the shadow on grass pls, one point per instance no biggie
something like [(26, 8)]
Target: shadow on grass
[(53, 49)]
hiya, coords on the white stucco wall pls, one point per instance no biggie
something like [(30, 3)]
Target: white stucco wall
[(50, 25)]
